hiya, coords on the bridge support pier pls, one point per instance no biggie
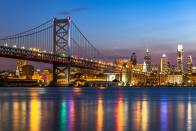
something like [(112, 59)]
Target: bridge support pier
[(61, 75)]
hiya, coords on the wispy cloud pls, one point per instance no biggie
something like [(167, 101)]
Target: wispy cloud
[(74, 10)]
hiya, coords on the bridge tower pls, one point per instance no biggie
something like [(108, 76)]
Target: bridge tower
[(61, 47)]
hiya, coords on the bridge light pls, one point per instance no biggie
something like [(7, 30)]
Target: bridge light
[(35, 49), (22, 47), (14, 46), (6, 45), (62, 55)]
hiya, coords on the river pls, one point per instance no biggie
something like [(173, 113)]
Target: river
[(97, 109)]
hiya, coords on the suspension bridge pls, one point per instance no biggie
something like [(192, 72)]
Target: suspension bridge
[(58, 42)]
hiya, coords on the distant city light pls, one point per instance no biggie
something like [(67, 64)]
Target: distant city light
[(180, 47), (6, 45), (164, 55), (22, 47)]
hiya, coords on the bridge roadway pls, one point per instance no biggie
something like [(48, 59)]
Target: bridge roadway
[(26, 54)]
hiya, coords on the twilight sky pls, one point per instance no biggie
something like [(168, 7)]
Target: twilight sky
[(116, 25)]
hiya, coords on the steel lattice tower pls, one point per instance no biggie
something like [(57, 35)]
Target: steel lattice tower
[(61, 46)]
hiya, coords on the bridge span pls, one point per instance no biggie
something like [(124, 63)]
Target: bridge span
[(58, 42)]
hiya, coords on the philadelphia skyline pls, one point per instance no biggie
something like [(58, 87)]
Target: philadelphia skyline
[(97, 65), (118, 27)]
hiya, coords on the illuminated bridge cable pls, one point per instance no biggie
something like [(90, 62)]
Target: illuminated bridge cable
[(30, 30), (88, 49), (38, 37)]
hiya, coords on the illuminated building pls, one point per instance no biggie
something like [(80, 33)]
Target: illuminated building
[(134, 58), (189, 64), (164, 64), (147, 59), (155, 68), (121, 61), (138, 68), (144, 67), (180, 53), (28, 71), (176, 79), (194, 70), (19, 65), (139, 79)]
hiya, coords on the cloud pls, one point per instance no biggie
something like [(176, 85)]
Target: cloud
[(74, 10)]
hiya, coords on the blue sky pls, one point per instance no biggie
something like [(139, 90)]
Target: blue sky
[(112, 24)]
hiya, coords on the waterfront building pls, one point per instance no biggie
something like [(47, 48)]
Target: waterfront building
[(138, 68), (155, 69), (148, 61), (138, 79), (19, 65), (175, 79), (144, 67), (164, 64), (180, 53), (28, 71)]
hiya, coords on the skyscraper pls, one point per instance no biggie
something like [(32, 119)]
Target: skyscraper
[(147, 59), (134, 58), (180, 53), (164, 64), (189, 64), (144, 67)]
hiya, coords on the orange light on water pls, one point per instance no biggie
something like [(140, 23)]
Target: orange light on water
[(144, 115), (16, 114), (100, 115), (35, 113), (120, 114), (77, 91), (138, 115)]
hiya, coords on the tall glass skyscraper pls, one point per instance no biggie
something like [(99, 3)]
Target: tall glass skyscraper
[(164, 64), (148, 61), (180, 53), (189, 64)]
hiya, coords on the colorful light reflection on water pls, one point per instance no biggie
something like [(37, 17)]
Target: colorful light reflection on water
[(67, 109)]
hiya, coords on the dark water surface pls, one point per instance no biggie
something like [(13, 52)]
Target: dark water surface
[(113, 109)]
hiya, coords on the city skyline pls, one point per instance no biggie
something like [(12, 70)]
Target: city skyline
[(97, 65), (122, 25), (117, 29), (172, 58)]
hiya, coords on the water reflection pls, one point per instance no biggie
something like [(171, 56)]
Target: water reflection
[(35, 114), (71, 119), (164, 113), (137, 117), (145, 113), (100, 114), (119, 112), (96, 109), (63, 115), (189, 116)]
